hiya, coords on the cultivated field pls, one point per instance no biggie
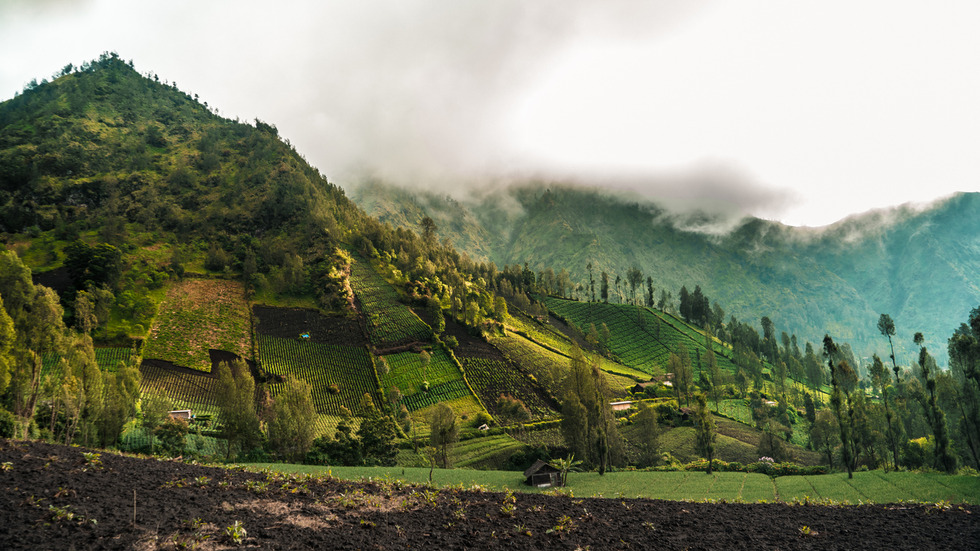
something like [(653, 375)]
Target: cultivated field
[(198, 315)]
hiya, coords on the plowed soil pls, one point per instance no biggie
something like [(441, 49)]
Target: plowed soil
[(53, 497)]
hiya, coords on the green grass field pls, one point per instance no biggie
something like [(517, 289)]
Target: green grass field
[(865, 487)]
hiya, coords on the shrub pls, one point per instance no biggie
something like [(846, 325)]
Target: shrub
[(8, 424)]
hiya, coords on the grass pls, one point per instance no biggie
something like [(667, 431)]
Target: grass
[(693, 485)]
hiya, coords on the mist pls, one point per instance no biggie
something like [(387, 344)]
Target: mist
[(702, 106)]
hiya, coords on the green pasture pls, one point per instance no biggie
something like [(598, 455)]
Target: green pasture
[(865, 487)]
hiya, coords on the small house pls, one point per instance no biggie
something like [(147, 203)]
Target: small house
[(181, 414), (542, 475), (640, 388), (620, 406)]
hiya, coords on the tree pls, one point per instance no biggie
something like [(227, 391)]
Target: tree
[(236, 406), (591, 283), (634, 277), (122, 390), (428, 229), (685, 304), (650, 297), (825, 434), (587, 423), (964, 361), (444, 432), (944, 459), (679, 363), (172, 434), (377, 438), (565, 466), (155, 408), (704, 427), (831, 352), (648, 433), (604, 287), (887, 328), (291, 429), (7, 338), (880, 379)]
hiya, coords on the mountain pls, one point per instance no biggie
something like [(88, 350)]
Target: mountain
[(918, 266)]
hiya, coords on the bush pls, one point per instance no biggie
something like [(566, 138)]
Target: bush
[(8, 424)]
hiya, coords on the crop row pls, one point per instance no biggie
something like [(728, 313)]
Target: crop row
[(493, 378), (409, 371), (338, 375), (187, 390), (443, 392), (641, 338), (389, 322)]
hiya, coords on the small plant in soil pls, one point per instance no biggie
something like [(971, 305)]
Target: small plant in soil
[(236, 533), (93, 459), (510, 504), (6, 466), (565, 525)]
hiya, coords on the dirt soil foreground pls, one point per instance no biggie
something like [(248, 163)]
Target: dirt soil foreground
[(53, 497)]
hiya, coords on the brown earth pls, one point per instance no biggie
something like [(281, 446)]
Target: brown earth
[(179, 505)]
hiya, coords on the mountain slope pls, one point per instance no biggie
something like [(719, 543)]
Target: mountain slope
[(918, 266)]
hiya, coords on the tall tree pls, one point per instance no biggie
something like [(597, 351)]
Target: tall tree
[(634, 277), (964, 359), (944, 459), (648, 433), (838, 381), (887, 328), (444, 432), (591, 283), (377, 435), (291, 429), (428, 229), (588, 424), (604, 287), (236, 406), (704, 427), (880, 378)]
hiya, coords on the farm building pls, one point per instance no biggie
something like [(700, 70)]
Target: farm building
[(542, 474), (620, 406), (181, 414)]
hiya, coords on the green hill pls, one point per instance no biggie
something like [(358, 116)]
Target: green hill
[(918, 266)]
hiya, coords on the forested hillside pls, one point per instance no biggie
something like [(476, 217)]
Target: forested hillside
[(158, 256), (917, 266)]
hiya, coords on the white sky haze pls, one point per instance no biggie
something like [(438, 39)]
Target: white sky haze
[(803, 112)]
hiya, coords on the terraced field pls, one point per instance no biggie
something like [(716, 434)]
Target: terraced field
[(641, 338), (493, 378), (389, 322)]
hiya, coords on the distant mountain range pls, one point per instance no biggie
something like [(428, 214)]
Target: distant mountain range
[(922, 267)]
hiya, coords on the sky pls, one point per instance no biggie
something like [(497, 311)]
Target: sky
[(802, 112)]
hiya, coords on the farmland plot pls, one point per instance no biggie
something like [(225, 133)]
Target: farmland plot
[(198, 315), (493, 378), (409, 373), (290, 323), (389, 322), (188, 388), (338, 375), (641, 338)]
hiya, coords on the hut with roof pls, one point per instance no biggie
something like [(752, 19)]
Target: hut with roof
[(542, 474)]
